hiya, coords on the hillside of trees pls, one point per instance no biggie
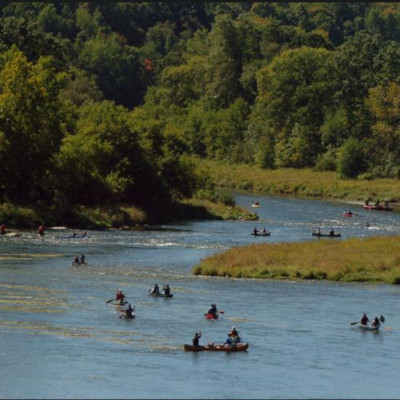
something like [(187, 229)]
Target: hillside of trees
[(104, 103)]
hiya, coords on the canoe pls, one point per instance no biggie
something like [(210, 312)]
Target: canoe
[(369, 327), (211, 316), (124, 316), (74, 264), (120, 302), (160, 294), (261, 233), (11, 234), (217, 347), (326, 234), (379, 207)]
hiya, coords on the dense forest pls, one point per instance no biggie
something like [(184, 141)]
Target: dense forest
[(103, 103)]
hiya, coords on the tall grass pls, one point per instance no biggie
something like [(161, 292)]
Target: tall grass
[(375, 259), (299, 182)]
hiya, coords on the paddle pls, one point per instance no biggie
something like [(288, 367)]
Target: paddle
[(353, 323), (109, 301)]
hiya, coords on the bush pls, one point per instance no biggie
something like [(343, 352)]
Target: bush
[(351, 161)]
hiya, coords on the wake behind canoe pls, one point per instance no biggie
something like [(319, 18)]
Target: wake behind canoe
[(217, 347)]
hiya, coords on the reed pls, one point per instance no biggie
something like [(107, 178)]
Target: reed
[(374, 259)]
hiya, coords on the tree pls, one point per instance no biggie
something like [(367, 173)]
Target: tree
[(294, 92), (351, 159), (32, 121)]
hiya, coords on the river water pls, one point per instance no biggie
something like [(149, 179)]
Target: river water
[(60, 339)]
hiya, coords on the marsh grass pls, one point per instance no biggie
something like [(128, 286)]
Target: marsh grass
[(300, 182), (375, 259)]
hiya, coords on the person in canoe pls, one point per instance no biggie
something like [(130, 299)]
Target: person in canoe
[(234, 335), (82, 259), (128, 312), (332, 232), (119, 296), (255, 231), (375, 322), (264, 231), (155, 289), (41, 230), (228, 341), (167, 290), (364, 320), (75, 261), (2, 229), (195, 340), (213, 310)]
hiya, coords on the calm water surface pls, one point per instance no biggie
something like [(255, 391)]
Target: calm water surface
[(59, 338)]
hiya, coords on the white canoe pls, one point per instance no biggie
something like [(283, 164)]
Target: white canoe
[(12, 234), (369, 327)]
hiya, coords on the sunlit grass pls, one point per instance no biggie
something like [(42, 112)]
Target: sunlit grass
[(375, 259), (300, 182)]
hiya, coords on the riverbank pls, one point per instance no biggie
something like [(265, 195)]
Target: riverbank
[(300, 183), (374, 259), (117, 216)]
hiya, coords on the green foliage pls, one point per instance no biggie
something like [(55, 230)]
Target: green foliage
[(268, 84), (350, 161), (32, 122)]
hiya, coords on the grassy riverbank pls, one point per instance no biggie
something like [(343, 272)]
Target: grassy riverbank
[(374, 259), (118, 216), (300, 182)]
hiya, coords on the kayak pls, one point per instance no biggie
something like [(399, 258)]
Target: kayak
[(211, 316), (217, 347), (160, 294), (326, 234), (261, 233)]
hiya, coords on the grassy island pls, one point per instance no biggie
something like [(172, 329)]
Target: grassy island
[(375, 259)]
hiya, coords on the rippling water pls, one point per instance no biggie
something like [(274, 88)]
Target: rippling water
[(59, 338)]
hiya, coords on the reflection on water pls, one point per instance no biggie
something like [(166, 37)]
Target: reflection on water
[(58, 331)]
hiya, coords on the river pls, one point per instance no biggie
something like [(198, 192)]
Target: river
[(60, 339)]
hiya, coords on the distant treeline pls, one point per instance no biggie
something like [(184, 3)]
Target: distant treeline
[(108, 102)]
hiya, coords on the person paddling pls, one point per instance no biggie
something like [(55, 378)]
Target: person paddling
[(213, 310), (234, 335), (128, 312), (82, 259), (167, 290), (41, 230), (119, 296), (375, 322), (364, 320), (75, 260), (196, 338), (155, 289)]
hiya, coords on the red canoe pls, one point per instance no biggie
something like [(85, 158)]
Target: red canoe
[(379, 207)]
